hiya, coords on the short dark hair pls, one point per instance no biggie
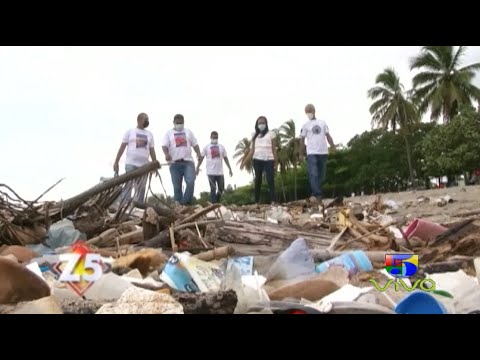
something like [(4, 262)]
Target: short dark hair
[(214, 133), (178, 117)]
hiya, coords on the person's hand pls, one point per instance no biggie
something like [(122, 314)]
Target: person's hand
[(301, 158), (197, 171), (333, 149), (115, 167), (168, 157), (231, 174)]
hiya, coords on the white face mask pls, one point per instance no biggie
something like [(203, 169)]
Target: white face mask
[(214, 141), (179, 127), (310, 116), (262, 127)]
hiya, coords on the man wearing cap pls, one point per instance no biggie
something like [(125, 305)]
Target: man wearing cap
[(316, 132), (177, 146), (140, 146), (215, 154)]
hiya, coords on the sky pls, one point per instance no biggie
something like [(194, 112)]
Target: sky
[(64, 110)]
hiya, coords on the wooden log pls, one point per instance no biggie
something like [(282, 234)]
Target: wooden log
[(221, 302), (215, 254), (161, 210), (374, 256), (67, 207), (107, 237), (134, 237), (254, 238), (451, 232), (198, 214), (448, 266)]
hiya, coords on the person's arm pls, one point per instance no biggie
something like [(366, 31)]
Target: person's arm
[(303, 149), (275, 154), (200, 159), (122, 148), (329, 138), (165, 147), (153, 154), (194, 143), (228, 165), (330, 141)]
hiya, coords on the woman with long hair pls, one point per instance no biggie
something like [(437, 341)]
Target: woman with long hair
[(264, 154)]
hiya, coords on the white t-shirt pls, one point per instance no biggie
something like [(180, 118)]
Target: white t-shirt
[(179, 144), (315, 131), (263, 147), (139, 142), (214, 153)]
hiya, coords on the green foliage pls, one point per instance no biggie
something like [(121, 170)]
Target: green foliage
[(442, 85), (455, 147)]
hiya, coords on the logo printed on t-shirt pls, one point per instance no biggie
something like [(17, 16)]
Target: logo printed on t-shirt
[(215, 151), (180, 139), (317, 130), (141, 141)]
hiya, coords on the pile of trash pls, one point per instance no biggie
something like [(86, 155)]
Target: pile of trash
[(301, 258)]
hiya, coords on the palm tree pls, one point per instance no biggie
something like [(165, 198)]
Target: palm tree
[(392, 107), (242, 149), (289, 145), (442, 86)]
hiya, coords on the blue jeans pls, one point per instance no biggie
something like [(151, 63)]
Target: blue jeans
[(180, 171), (214, 181), (317, 169), (140, 192)]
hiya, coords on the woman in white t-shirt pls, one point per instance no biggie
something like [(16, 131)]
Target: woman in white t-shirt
[(264, 155)]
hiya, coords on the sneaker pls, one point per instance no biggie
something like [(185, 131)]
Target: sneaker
[(312, 199)]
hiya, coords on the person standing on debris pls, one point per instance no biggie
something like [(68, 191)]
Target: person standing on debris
[(264, 154), (177, 146), (317, 134), (215, 154), (140, 146)]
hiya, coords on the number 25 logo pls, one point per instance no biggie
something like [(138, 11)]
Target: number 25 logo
[(92, 262)]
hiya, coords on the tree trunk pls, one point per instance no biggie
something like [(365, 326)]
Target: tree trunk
[(409, 159), (295, 179)]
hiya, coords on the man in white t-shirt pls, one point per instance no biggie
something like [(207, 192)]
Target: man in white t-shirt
[(215, 154), (140, 146), (317, 134), (177, 146)]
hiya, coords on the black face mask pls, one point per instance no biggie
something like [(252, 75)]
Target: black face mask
[(145, 124)]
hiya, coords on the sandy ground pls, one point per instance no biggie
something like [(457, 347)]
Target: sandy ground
[(464, 199)]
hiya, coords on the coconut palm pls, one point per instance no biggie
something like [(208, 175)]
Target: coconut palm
[(442, 85), (290, 146), (241, 152), (392, 107)]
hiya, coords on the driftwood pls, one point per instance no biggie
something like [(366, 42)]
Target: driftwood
[(216, 254), (67, 207), (163, 238), (451, 232), (198, 214), (448, 266), (111, 237), (221, 302), (254, 238), (374, 256)]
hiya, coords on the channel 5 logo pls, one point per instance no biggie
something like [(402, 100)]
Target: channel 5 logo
[(401, 265), (80, 268)]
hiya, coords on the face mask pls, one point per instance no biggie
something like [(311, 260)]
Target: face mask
[(179, 127), (310, 116), (214, 141), (262, 127), (145, 124)]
